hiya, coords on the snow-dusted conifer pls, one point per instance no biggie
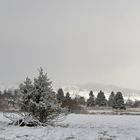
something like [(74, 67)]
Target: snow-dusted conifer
[(26, 90), (60, 95), (91, 100), (119, 101), (67, 97), (41, 100), (111, 100), (67, 102), (101, 100)]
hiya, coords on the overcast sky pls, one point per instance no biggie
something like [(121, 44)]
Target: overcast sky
[(75, 41)]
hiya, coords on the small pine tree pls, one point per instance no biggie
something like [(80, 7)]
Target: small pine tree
[(119, 101), (101, 100), (91, 101), (40, 98), (68, 98), (111, 100), (26, 89), (67, 102), (60, 95)]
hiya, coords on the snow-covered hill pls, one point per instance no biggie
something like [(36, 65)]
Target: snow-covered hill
[(83, 90)]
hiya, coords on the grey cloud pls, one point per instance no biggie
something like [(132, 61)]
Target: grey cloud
[(75, 41)]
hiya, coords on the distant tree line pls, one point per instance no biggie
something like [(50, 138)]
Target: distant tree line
[(8, 99), (72, 104), (37, 96), (115, 101)]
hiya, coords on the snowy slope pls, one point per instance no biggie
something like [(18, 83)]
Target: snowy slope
[(77, 127), (84, 91)]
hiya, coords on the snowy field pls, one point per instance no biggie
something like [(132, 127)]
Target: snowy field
[(77, 127)]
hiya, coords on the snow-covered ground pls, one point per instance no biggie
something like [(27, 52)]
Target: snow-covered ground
[(77, 127), (110, 111)]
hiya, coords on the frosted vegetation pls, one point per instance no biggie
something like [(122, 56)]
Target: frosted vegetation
[(77, 127), (35, 111)]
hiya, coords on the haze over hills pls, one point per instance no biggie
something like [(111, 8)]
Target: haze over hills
[(107, 88), (83, 90)]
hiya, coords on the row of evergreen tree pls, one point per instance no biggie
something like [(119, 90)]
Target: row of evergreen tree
[(73, 104), (115, 100)]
